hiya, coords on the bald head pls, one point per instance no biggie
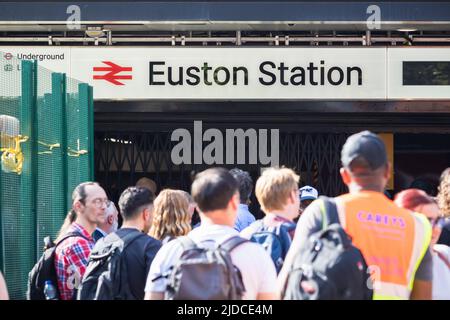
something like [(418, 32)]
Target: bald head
[(147, 183)]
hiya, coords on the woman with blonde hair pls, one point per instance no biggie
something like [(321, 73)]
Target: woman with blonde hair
[(171, 217)]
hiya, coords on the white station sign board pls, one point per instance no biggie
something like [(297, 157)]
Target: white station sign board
[(155, 73)]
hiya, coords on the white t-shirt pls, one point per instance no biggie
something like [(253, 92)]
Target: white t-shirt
[(441, 273), (256, 266)]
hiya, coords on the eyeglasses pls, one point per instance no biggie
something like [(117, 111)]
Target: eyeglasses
[(437, 222), (99, 202)]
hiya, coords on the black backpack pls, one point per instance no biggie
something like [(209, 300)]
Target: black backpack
[(106, 275), (44, 270), (205, 274), (328, 266), (275, 240)]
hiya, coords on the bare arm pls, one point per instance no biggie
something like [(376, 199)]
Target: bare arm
[(154, 296), (422, 290), (423, 279), (267, 296)]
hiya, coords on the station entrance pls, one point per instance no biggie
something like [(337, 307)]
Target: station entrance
[(138, 143)]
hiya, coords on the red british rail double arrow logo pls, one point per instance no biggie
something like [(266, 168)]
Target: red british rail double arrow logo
[(113, 73)]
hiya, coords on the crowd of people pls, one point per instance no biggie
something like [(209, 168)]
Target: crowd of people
[(163, 254)]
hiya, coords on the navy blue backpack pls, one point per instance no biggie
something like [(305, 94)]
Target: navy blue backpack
[(275, 240)]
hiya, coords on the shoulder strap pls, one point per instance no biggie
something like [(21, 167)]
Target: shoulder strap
[(105, 246), (289, 226), (329, 211), (257, 225), (232, 243), (126, 240), (187, 243), (167, 239), (71, 235), (443, 258)]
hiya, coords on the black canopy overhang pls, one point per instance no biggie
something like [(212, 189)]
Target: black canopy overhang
[(221, 11)]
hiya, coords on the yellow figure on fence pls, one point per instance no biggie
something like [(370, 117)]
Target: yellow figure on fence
[(10, 140), (12, 158)]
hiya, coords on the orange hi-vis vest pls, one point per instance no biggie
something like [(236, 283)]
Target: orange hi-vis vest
[(393, 240)]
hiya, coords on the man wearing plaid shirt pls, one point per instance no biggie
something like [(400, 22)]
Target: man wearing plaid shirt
[(72, 255)]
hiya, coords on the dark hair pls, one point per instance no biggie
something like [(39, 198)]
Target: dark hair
[(133, 199), (70, 218), (245, 183), (412, 198), (212, 189)]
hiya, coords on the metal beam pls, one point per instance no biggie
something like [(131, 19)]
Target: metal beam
[(183, 40)]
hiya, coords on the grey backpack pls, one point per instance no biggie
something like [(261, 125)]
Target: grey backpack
[(205, 274)]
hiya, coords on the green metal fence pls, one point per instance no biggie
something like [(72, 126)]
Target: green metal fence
[(56, 119)]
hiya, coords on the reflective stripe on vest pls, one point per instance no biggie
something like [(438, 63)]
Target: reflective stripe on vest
[(390, 291), (422, 242), (392, 240)]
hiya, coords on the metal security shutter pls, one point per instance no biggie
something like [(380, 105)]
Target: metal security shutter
[(121, 158)]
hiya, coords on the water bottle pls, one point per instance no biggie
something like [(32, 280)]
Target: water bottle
[(50, 291)]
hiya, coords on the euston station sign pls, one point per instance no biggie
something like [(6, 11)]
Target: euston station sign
[(202, 73)]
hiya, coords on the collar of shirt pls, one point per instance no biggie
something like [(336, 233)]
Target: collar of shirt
[(78, 228), (212, 232), (273, 218), (243, 207), (101, 231), (132, 228)]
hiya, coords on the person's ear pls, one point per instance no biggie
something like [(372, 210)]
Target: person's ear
[(235, 201), (345, 175), (110, 219), (293, 196), (387, 173), (146, 214), (77, 206)]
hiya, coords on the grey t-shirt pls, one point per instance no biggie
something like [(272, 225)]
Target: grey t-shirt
[(310, 222)]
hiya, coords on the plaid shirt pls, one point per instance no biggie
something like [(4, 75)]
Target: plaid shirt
[(71, 259)]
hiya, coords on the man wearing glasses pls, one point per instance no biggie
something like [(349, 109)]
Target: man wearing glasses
[(110, 223), (89, 202)]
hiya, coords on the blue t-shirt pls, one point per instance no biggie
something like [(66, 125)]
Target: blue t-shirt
[(244, 218)]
